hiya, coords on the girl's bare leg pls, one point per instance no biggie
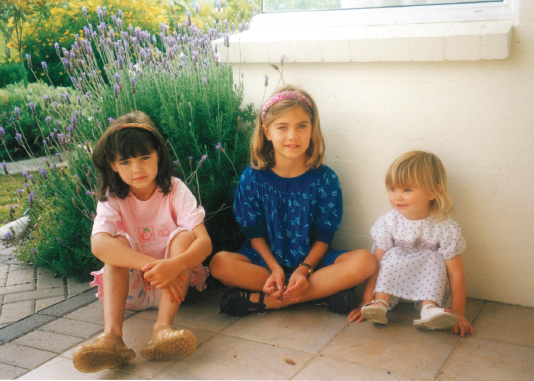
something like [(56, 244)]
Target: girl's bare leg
[(115, 293), (236, 270), (167, 308), (349, 270)]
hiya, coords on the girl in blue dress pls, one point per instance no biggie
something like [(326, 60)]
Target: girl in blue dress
[(289, 205)]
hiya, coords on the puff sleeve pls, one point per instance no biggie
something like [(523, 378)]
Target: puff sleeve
[(451, 241), (108, 218), (247, 206), (381, 234), (184, 205), (329, 207)]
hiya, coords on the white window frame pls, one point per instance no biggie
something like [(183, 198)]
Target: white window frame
[(454, 32), (447, 13)]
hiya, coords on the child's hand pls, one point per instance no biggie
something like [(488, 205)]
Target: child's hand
[(161, 273), (176, 290), (275, 285), (356, 314), (297, 286), (463, 327)]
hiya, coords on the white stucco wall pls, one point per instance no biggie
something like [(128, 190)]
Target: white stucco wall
[(477, 116)]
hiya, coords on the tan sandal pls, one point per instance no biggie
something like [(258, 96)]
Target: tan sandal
[(376, 311), (174, 343), (101, 355)]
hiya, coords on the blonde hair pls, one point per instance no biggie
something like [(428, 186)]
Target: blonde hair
[(424, 170), (261, 149)]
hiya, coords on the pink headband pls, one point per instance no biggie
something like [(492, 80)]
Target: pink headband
[(136, 125), (283, 96)]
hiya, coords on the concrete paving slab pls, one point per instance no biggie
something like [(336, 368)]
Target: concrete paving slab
[(62, 369), (13, 312), (70, 305), (73, 327), (13, 331), (494, 323), (395, 347), (12, 290), (226, 357), (322, 368), (41, 304), (37, 294), (477, 359), (21, 276), (10, 372), (92, 315), (316, 327), (24, 357), (74, 287), (49, 341), (47, 279)]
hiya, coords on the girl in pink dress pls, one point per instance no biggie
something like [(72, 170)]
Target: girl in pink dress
[(150, 234)]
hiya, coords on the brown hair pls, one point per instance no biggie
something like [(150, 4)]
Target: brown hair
[(120, 142), (261, 149), (418, 169)]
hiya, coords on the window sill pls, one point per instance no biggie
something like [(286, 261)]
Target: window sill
[(458, 41)]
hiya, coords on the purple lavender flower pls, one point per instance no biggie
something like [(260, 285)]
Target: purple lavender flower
[(45, 67), (227, 40), (58, 239), (100, 13), (84, 10), (59, 157), (12, 121), (132, 81), (56, 45), (67, 97), (31, 197), (33, 250), (31, 179), (45, 144), (4, 166), (266, 80), (47, 120), (219, 147), (202, 159), (17, 114), (111, 120), (204, 81), (19, 191), (18, 138), (29, 59), (32, 107), (2, 133), (25, 175), (44, 173), (116, 89)]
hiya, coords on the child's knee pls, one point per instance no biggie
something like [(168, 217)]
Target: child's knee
[(182, 241), (217, 263), (367, 261)]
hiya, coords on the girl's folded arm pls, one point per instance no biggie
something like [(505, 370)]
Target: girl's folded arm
[(113, 252), (197, 252), (455, 272)]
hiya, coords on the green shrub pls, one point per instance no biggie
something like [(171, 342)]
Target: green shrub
[(33, 128), (176, 79), (12, 73)]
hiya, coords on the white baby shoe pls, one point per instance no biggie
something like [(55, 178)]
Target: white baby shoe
[(433, 317)]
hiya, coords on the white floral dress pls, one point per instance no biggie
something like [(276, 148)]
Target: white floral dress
[(414, 263)]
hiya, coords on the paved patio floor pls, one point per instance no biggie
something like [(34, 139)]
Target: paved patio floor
[(300, 342)]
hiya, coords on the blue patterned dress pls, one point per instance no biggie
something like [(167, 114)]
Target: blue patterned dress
[(290, 213)]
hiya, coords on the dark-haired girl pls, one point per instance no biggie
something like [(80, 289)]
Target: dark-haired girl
[(150, 234)]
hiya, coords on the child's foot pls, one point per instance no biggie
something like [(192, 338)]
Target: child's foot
[(376, 311), (107, 352), (341, 302), (434, 317), (169, 343), (237, 302)]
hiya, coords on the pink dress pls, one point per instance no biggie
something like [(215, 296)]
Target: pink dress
[(149, 226)]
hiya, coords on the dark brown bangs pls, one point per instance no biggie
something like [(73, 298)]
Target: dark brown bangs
[(131, 142)]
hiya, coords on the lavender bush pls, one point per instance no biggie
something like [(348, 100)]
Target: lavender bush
[(175, 78)]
